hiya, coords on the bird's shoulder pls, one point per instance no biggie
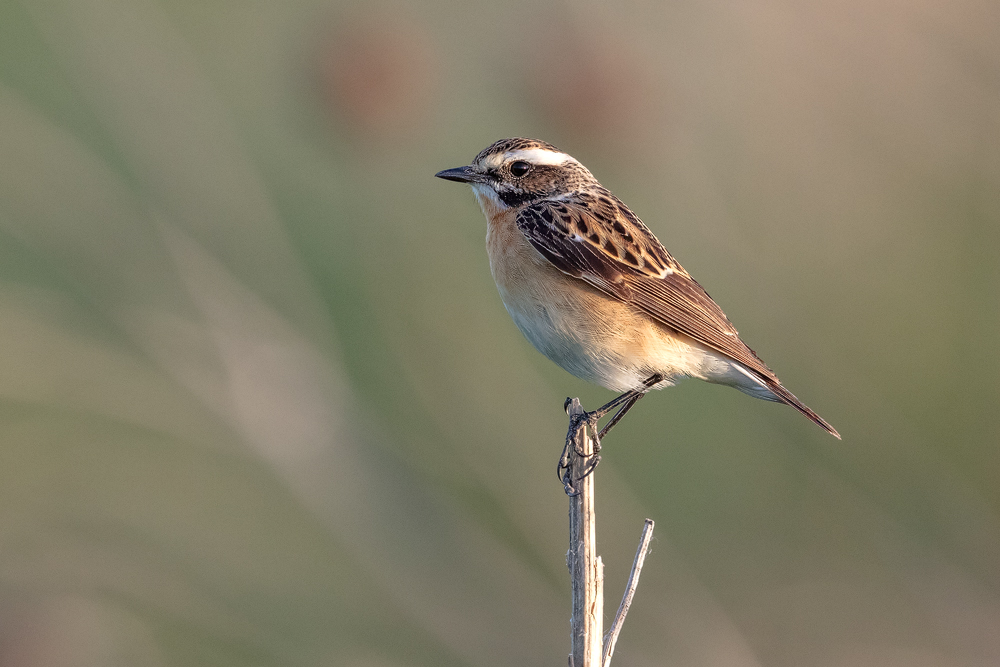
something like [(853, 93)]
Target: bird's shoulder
[(598, 219)]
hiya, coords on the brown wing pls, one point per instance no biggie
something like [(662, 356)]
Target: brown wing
[(598, 239)]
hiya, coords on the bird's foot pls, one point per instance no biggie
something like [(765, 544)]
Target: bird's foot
[(584, 462), (575, 462)]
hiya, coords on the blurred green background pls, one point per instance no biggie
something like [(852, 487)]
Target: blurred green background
[(261, 404)]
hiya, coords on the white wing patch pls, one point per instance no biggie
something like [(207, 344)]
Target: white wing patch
[(756, 380)]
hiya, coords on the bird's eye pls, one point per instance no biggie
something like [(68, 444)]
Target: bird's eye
[(519, 168)]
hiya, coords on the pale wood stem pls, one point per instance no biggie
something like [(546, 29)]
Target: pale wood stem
[(589, 647), (633, 583), (585, 566)]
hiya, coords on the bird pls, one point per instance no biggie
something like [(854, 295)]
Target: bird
[(592, 289)]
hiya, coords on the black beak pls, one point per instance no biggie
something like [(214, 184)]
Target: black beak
[(461, 175)]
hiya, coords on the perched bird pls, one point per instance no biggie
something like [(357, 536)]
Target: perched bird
[(594, 290)]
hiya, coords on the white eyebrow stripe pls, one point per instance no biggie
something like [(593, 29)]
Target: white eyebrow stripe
[(538, 156)]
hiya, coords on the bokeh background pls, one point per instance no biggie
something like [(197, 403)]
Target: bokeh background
[(260, 403)]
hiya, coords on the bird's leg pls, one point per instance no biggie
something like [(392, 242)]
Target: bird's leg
[(618, 415), (624, 402)]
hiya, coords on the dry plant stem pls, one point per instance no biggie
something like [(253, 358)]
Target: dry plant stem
[(585, 566), (633, 582), (586, 569)]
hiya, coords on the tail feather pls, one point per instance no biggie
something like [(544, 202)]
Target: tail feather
[(788, 398)]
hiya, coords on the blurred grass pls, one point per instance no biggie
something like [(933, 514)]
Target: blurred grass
[(261, 404)]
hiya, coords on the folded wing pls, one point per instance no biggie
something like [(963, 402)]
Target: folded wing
[(595, 237)]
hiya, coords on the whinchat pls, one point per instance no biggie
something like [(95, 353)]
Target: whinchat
[(591, 287)]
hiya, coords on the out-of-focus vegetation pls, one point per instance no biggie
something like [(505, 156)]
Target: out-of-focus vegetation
[(261, 404)]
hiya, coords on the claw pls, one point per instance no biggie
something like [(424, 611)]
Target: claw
[(590, 465)]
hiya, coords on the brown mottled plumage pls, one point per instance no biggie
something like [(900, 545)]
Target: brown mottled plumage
[(593, 289)]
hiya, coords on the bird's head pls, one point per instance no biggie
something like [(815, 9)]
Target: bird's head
[(512, 173)]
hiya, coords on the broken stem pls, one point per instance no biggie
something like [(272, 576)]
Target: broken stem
[(633, 583)]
